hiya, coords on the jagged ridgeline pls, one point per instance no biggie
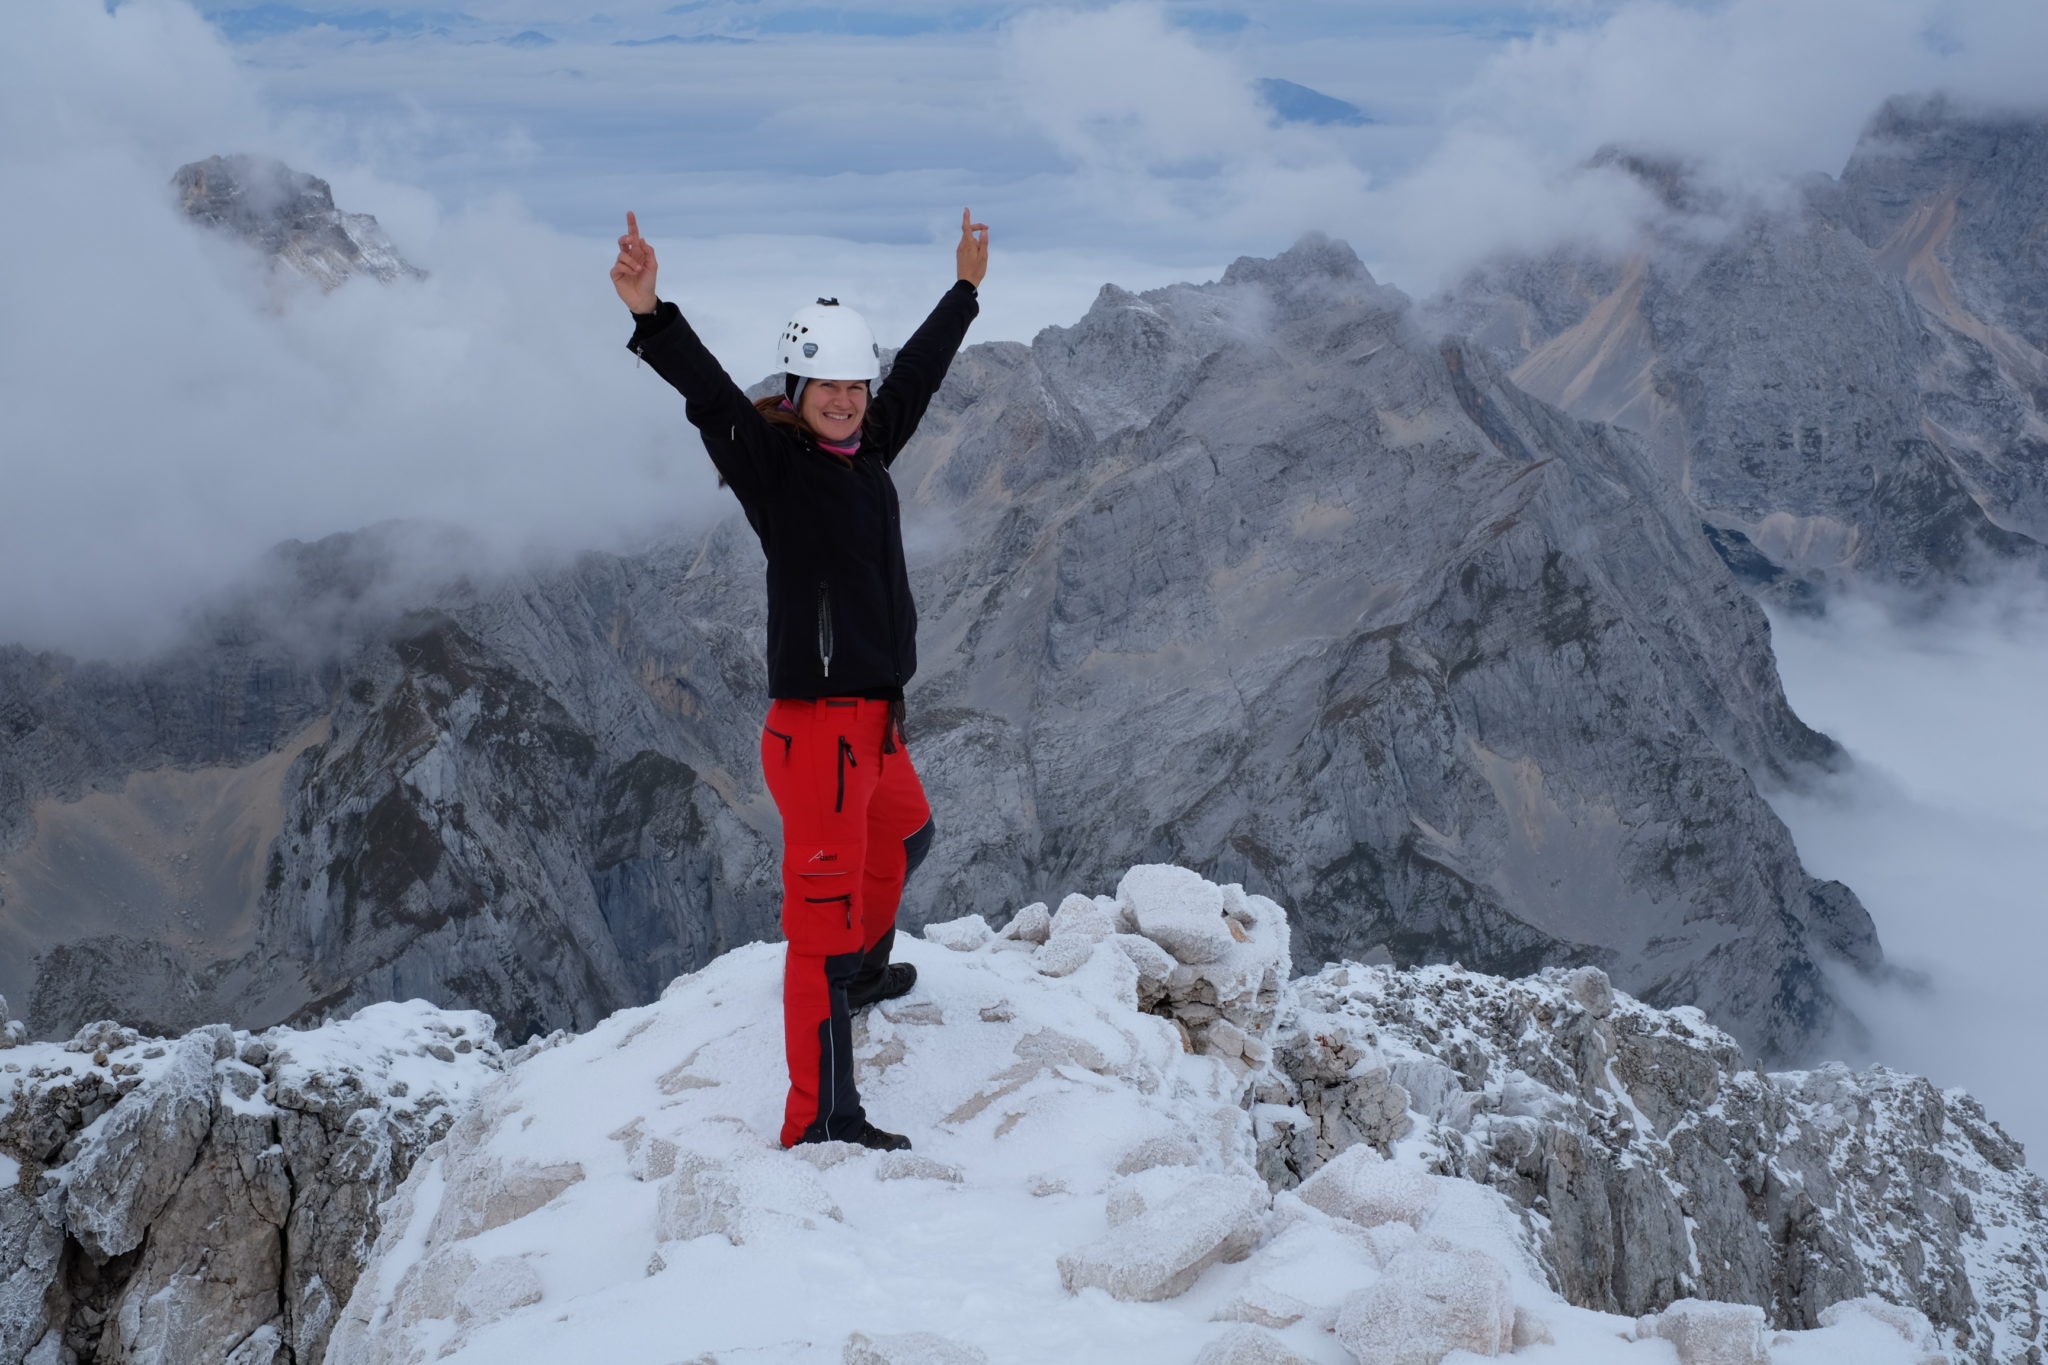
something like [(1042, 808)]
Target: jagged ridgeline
[(1263, 576), (1851, 388)]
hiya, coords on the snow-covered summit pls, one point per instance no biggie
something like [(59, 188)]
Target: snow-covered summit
[(1104, 1103)]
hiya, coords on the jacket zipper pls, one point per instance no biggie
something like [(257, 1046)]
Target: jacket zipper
[(846, 760), (825, 627)]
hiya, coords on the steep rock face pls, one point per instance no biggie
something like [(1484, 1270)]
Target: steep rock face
[(1252, 576), (1255, 579), (1852, 388), (290, 217), (416, 808), (1656, 1163), (213, 1197)]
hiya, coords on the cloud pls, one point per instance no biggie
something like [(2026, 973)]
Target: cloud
[(173, 410), (1941, 829), (1170, 134)]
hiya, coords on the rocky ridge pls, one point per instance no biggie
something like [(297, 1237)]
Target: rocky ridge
[(1852, 389), (1654, 1162), (211, 1198)]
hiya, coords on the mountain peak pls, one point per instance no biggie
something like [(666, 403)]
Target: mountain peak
[(291, 217)]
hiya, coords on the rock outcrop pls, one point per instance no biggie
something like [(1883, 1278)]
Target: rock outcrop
[(1654, 1163), (290, 217), (212, 1198)]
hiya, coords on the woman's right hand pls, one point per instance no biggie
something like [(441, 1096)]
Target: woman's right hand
[(633, 272)]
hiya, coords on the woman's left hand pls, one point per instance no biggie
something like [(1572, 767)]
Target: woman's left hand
[(971, 256)]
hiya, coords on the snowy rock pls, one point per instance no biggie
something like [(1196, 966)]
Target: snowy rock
[(1427, 1304), (213, 1191), (1590, 987), (909, 1348), (1161, 1252), (1249, 1345), (914, 1166), (1085, 916), (498, 1286), (1178, 910), (1531, 1330), (1032, 924), (746, 1200), (119, 1184), (1063, 954), (1359, 1185), (1910, 1323), (962, 935), (1708, 1333), (1164, 1150), (1262, 1305), (1153, 962), (491, 1191)]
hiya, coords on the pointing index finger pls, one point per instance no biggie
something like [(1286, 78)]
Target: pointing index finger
[(632, 224)]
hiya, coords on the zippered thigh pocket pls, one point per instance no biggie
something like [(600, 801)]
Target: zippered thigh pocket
[(825, 627), (846, 760)]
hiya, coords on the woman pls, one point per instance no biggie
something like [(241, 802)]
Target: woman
[(810, 468)]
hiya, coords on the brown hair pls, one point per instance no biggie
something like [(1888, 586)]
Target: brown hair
[(778, 412)]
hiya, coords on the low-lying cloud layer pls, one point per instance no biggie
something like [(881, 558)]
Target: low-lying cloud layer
[(1942, 830)]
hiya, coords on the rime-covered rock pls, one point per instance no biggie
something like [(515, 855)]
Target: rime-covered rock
[(909, 1348), (1429, 1303), (172, 1198), (1709, 1333), (1159, 1251), (1664, 1165), (1249, 1345)]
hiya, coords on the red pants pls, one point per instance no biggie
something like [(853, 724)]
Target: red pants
[(854, 822)]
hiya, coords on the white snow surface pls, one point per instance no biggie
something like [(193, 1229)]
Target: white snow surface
[(621, 1197)]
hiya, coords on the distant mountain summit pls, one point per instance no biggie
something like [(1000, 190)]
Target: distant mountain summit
[(289, 216), (1853, 388)]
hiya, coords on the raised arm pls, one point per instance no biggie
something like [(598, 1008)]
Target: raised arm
[(734, 433), (920, 367)]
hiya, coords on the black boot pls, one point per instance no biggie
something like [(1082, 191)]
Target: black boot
[(867, 1135), (896, 979)]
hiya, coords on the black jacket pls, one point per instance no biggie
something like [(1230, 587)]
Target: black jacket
[(840, 619)]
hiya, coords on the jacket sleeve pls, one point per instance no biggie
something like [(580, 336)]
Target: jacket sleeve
[(920, 367), (736, 436)]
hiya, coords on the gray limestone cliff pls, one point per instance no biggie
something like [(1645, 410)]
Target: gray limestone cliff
[(1853, 388)]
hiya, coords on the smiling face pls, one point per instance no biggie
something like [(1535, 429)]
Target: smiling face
[(833, 408)]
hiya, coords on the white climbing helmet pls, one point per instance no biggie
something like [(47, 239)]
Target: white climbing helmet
[(827, 341)]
